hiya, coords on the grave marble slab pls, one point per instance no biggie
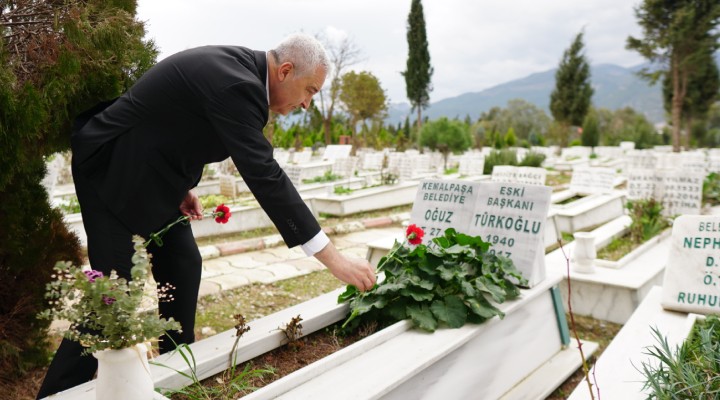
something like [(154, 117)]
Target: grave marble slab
[(692, 277), (592, 180), (525, 175)]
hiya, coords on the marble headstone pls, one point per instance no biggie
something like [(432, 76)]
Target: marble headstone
[(512, 174), (333, 151), (592, 180), (681, 192), (442, 204), (227, 186), (643, 184), (512, 217), (692, 274)]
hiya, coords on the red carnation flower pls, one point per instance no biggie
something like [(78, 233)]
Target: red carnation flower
[(414, 234), (222, 214)]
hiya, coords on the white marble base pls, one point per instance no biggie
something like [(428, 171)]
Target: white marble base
[(611, 294), (616, 371), (376, 198), (402, 363), (589, 211), (638, 251)]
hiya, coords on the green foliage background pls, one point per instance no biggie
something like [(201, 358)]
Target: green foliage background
[(87, 51)]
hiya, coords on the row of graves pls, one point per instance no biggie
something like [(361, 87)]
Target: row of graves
[(515, 212), (530, 347)]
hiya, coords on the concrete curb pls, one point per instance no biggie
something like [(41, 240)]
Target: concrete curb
[(254, 244)]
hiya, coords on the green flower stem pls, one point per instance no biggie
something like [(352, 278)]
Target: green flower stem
[(157, 236)]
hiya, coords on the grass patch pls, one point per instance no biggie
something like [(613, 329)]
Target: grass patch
[(258, 300)]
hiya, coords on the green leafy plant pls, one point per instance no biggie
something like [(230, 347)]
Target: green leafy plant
[(647, 219), (72, 206), (227, 385), (342, 190), (105, 312), (499, 157), (213, 200), (451, 281), (691, 370), (711, 189), (328, 176), (532, 159)]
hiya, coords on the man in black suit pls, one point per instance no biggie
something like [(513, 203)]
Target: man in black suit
[(136, 159)]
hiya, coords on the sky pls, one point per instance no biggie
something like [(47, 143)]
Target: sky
[(473, 44)]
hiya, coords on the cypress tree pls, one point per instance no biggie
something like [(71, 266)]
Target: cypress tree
[(419, 71), (591, 131), (570, 100)]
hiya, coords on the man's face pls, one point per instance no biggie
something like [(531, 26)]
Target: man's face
[(292, 92)]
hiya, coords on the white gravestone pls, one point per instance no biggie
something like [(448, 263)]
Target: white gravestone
[(526, 175), (372, 161), (509, 216), (334, 151), (512, 218), (345, 167), (643, 184), (692, 274), (442, 204), (592, 180), (471, 164), (627, 146), (227, 186), (681, 192), (642, 159), (294, 172), (301, 157), (282, 157)]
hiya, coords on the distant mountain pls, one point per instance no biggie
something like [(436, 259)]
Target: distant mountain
[(615, 87)]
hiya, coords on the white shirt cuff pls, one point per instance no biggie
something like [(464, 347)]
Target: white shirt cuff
[(316, 244)]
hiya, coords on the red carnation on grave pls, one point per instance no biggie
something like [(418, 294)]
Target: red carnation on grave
[(222, 214), (414, 234)]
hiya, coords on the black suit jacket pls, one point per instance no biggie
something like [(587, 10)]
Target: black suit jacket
[(145, 150)]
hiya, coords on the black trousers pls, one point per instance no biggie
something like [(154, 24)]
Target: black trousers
[(177, 263)]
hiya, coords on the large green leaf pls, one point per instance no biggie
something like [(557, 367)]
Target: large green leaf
[(422, 317), (480, 306), (418, 294), (485, 285), (450, 310)]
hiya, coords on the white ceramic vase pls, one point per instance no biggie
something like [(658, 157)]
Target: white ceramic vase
[(124, 374), (584, 253)]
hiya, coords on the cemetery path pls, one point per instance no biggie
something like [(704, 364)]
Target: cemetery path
[(270, 264)]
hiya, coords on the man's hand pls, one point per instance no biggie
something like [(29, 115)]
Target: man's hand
[(353, 271), (191, 206)]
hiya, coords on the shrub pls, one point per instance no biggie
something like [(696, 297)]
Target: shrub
[(499, 157), (532, 159), (647, 219), (711, 189), (691, 370)]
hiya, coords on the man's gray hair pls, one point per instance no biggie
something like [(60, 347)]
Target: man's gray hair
[(304, 51)]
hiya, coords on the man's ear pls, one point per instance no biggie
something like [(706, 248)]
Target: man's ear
[(284, 70)]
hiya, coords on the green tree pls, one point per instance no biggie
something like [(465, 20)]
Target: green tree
[(570, 100), (676, 33), (363, 98), (56, 59), (418, 70), (591, 130), (510, 137), (521, 115), (445, 136), (702, 92)]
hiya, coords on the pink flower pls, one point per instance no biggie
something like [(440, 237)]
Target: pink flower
[(108, 300), (414, 234), (92, 275)]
